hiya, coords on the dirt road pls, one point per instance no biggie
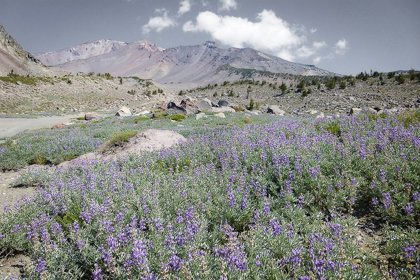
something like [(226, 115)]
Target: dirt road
[(12, 126)]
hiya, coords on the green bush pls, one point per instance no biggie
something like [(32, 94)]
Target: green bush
[(178, 117), (121, 138), (141, 119)]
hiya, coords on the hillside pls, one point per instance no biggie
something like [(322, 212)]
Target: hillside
[(14, 58)]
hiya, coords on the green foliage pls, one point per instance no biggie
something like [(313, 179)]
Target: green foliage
[(123, 137), (141, 119), (400, 79), (251, 105), (159, 114), (409, 117), (334, 129), (343, 85), (330, 84), (181, 93), (390, 75), (283, 88), (131, 91), (178, 117)]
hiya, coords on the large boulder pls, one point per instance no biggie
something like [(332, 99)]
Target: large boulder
[(173, 109), (222, 109), (203, 105), (274, 109), (91, 115), (148, 140), (190, 107), (355, 111), (123, 112), (223, 103)]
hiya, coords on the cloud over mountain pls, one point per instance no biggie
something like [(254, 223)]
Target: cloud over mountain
[(158, 23), (269, 33)]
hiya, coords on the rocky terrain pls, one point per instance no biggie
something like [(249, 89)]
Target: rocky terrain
[(14, 58), (76, 94), (364, 95)]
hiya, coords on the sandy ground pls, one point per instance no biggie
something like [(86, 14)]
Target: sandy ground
[(12, 126), (12, 265)]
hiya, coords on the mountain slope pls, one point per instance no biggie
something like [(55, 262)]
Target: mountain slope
[(195, 65), (83, 51), (13, 57)]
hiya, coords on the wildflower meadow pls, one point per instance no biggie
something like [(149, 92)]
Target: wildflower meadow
[(243, 198)]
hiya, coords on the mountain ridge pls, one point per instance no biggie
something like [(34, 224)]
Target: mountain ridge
[(195, 65)]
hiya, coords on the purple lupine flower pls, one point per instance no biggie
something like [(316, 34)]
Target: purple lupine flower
[(387, 200), (41, 266), (2, 236), (383, 176), (416, 196), (409, 250), (244, 202), (375, 201), (112, 243), (189, 214), (276, 227), (409, 209), (231, 198), (175, 263), (301, 201), (313, 171), (266, 208), (97, 273)]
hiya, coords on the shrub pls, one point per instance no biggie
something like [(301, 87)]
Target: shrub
[(140, 119), (178, 117), (120, 138)]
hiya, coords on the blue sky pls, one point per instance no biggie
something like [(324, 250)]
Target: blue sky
[(341, 36)]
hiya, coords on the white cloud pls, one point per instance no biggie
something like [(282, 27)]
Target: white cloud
[(341, 47), (269, 33), (185, 6), (313, 30), (158, 23), (227, 5), (305, 51)]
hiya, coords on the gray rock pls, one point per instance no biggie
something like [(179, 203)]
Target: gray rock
[(123, 112), (200, 116), (355, 111), (173, 109), (203, 105), (320, 116), (223, 109), (190, 107), (220, 115), (274, 109), (223, 103), (91, 115), (176, 111)]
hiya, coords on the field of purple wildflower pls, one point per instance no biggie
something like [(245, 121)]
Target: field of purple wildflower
[(263, 199)]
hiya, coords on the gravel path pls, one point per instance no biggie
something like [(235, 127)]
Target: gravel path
[(12, 126)]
